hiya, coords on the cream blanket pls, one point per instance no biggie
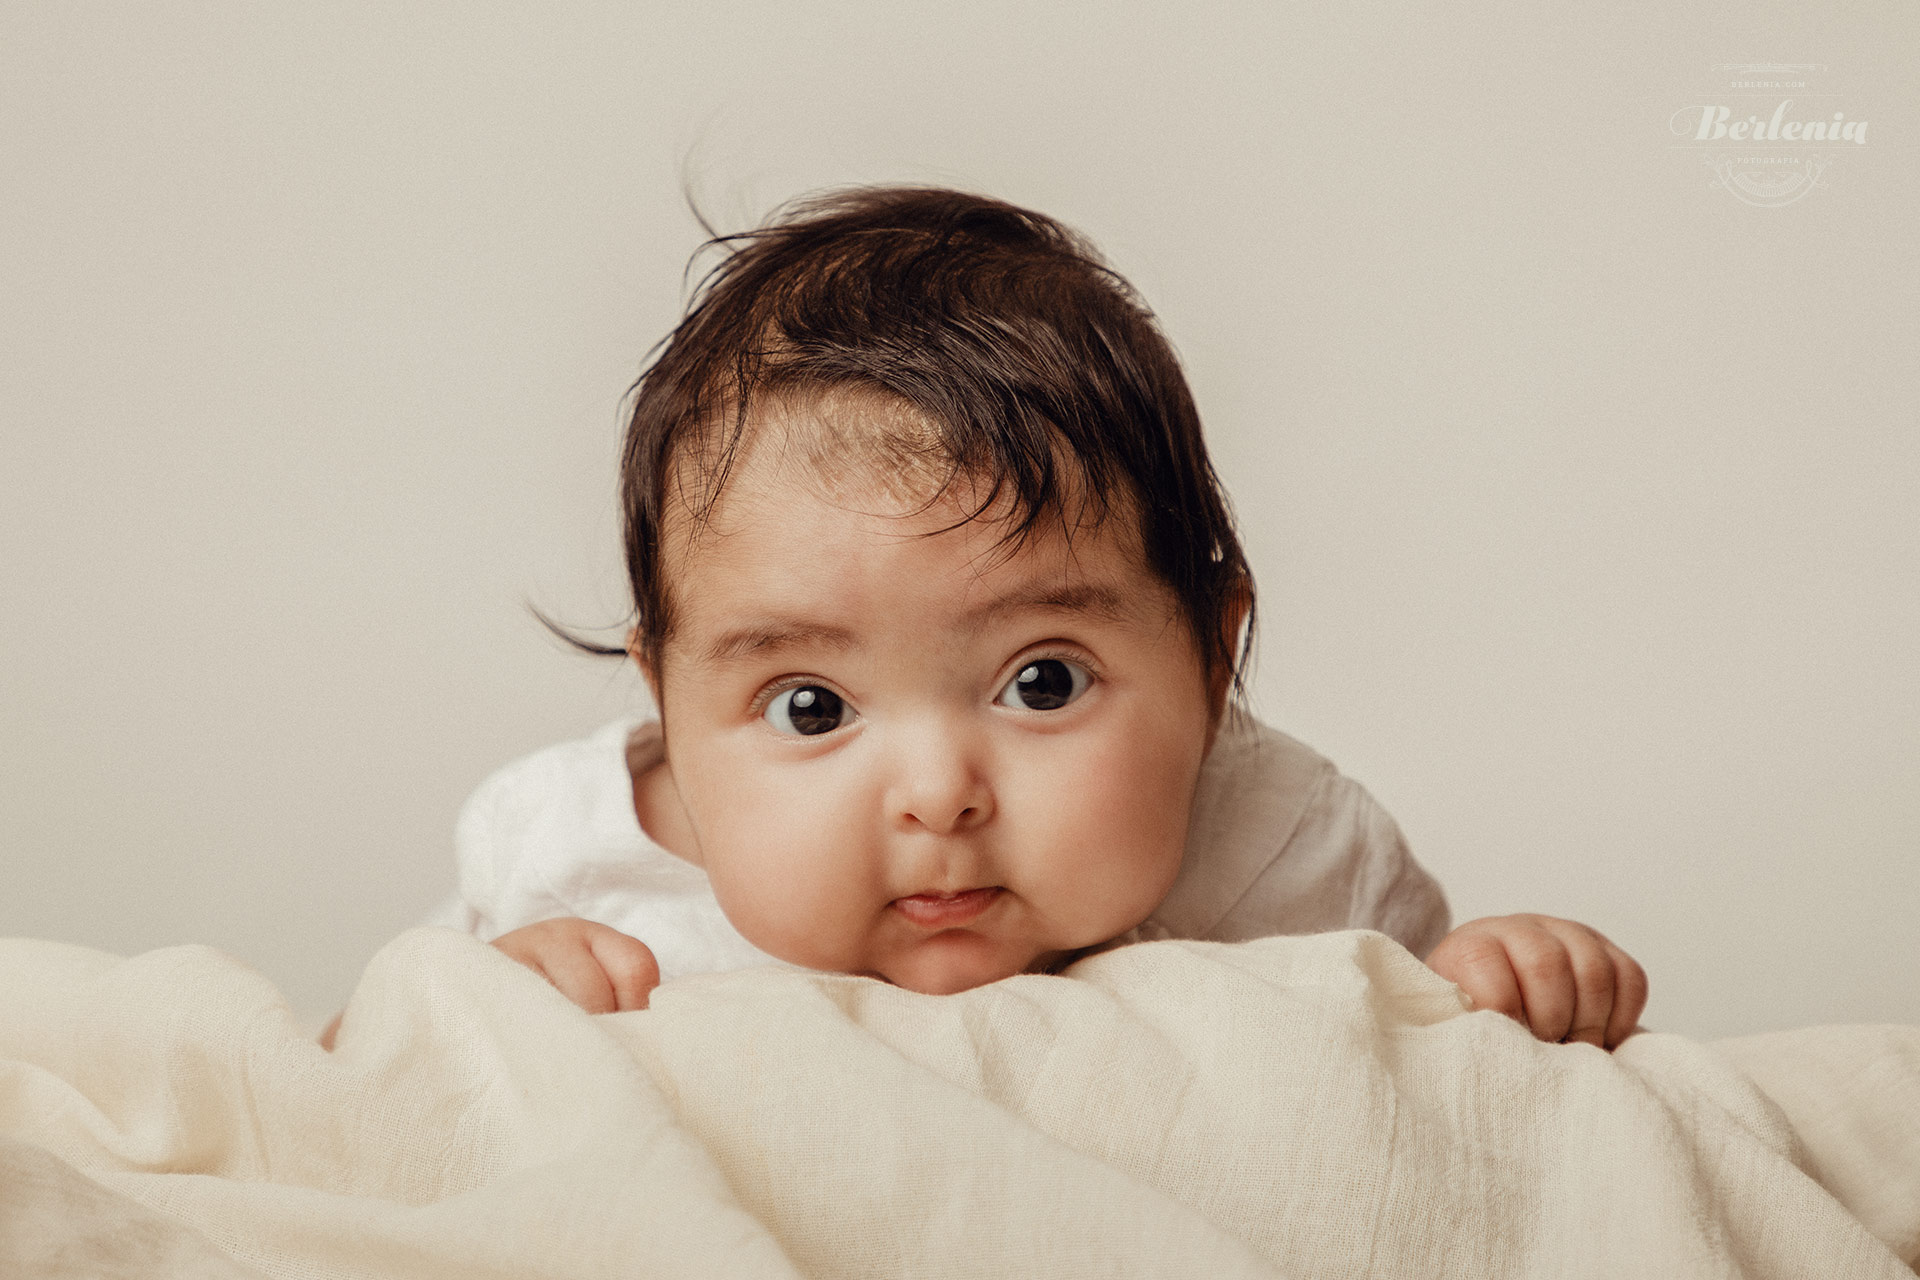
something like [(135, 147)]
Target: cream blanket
[(1289, 1107)]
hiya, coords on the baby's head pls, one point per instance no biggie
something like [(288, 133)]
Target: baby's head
[(936, 589)]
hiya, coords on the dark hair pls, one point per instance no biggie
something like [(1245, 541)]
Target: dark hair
[(1005, 329)]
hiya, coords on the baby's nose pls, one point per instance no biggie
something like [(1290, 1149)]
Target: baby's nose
[(940, 784)]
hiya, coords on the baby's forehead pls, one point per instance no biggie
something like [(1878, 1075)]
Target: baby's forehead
[(803, 492)]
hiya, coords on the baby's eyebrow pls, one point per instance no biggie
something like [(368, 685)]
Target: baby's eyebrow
[(1094, 598), (774, 635)]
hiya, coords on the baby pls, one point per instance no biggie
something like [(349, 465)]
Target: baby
[(942, 610)]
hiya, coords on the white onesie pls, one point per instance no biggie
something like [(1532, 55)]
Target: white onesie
[(1279, 842)]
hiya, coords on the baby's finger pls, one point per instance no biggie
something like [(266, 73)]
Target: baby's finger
[(1592, 967), (1481, 969), (1545, 974), (1629, 998), (629, 966), (570, 966)]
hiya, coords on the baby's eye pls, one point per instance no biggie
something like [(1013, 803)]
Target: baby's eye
[(1045, 684), (805, 709)]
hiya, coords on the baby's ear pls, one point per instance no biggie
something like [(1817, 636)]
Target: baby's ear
[(1233, 616)]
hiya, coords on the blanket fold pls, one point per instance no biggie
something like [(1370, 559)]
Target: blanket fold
[(1291, 1106)]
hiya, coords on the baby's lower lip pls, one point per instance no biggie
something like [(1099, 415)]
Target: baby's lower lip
[(945, 912)]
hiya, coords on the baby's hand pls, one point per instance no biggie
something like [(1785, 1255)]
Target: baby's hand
[(1562, 979), (598, 968)]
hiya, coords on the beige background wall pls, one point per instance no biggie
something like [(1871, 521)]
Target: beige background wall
[(1581, 492)]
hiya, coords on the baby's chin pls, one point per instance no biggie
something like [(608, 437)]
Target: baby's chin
[(940, 968)]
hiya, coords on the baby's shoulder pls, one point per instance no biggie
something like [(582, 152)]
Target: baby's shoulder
[(1253, 760), (560, 794)]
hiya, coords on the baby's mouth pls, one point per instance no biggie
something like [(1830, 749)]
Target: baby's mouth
[(946, 910)]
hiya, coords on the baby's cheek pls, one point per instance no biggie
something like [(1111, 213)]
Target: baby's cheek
[(1138, 807), (1104, 885), (1146, 876), (787, 908), (1143, 829)]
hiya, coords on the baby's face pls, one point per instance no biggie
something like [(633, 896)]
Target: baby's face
[(919, 758)]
